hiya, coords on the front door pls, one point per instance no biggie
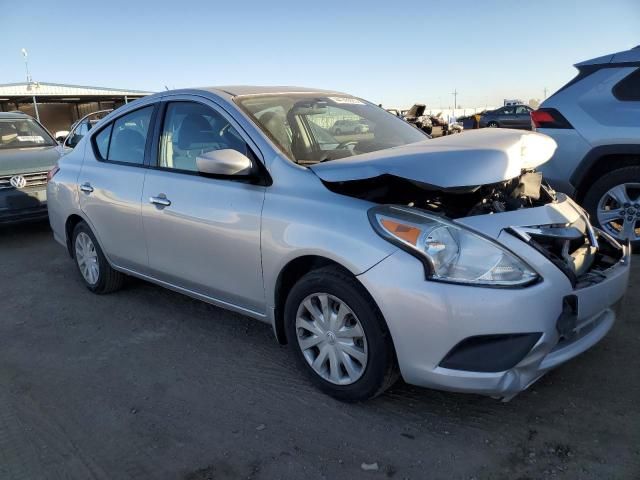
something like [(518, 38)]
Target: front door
[(203, 234), (507, 117), (523, 117)]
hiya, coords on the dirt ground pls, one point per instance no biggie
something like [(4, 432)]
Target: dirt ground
[(149, 384)]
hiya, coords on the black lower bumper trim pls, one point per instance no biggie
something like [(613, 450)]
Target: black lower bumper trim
[(490, 353)]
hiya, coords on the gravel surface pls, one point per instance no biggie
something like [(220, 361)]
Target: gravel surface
[(150, 384)]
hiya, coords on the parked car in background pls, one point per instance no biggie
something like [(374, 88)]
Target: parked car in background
[(595, 120), (512, 116), (416, 116), (341, 127), (80, 128), (446, 261), (27, 153)]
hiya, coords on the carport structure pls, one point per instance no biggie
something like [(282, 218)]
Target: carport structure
[(57, 106)]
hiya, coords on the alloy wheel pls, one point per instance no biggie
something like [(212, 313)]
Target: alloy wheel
[(331, 339), (87, 258), (618, 211)]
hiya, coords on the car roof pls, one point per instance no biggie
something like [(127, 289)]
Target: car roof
[(9, 115), (241, 90), (625, 56)]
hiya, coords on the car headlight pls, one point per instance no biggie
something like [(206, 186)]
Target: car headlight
[(450, 252)]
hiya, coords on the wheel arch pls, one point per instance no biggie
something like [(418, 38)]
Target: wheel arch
[(602, 160), (293, 271), (69, 226)]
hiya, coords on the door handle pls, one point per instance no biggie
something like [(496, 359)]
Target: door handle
[(86, 187), (161, 200)]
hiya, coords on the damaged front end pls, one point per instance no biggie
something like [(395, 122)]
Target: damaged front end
[(524, 191), (485, 181), (581, 252)]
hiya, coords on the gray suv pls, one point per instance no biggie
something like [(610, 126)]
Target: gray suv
[(595, 120), (27, 153), (446, 261)]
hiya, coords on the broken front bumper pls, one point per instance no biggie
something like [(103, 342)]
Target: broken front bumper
[(427, 320)]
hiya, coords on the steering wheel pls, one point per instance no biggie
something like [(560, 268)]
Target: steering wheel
[(343, 145)]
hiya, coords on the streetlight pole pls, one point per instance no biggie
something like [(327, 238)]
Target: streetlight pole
[(30, 81)]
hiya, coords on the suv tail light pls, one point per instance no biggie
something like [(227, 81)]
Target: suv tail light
[(549, 118), (52, 173)]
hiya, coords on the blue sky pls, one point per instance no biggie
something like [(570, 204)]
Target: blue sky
[(391, 52)]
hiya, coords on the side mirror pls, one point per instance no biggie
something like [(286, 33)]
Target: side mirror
[(72, 140), (225, 162)]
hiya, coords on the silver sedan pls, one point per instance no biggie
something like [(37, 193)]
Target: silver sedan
[(378, 254)]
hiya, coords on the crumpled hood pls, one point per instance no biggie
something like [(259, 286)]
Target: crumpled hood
[(26, 160), (476, 157)]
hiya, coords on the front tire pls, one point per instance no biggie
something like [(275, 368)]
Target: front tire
[(339, 336), (613, 202), (93, 266)]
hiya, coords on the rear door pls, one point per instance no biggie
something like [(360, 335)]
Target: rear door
[(110, 185), (203, 233)]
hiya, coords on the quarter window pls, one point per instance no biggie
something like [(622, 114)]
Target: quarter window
[(102, 141), (628, 89), (129, 137), (191, 129)]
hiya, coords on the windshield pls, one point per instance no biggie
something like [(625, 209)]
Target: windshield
[(310, 128), (23, 133)]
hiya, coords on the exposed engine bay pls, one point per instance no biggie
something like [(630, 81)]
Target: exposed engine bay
[(579, 251), (524, 191)]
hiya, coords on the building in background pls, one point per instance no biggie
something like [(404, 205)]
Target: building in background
[(58, 106)]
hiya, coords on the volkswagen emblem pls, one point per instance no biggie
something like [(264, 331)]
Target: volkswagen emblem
[(18, 181)]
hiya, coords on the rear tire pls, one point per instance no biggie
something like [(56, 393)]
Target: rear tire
[(357, 382), (93, 266), (599, 199)]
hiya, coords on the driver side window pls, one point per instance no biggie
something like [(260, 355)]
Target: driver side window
[(191, 129)]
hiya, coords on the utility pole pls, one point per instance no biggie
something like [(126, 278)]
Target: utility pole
[(545, 93), (455, 98)]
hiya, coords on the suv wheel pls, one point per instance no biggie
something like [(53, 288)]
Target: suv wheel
[(613, 202), (96, 272), (492, 124), (339, 336)]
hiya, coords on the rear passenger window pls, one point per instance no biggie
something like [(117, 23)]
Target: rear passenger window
[(129, 137), (102, 141), (628, 89)]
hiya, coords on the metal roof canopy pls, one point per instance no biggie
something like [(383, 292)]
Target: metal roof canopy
[(60, 93)]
